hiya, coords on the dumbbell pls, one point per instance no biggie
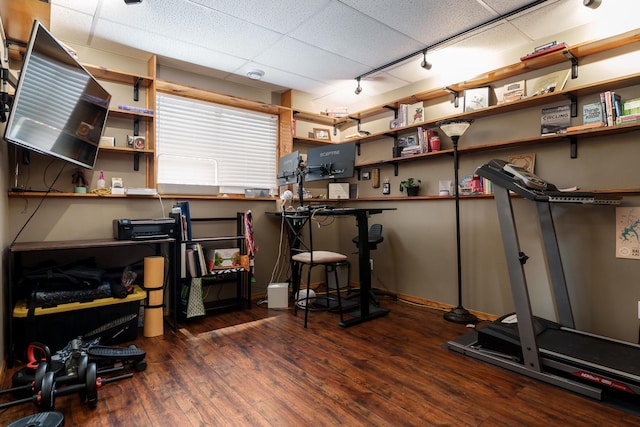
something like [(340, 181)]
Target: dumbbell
[(88, 391), (37, 381)]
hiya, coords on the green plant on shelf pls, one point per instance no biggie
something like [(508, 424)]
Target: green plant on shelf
[(409, 183)]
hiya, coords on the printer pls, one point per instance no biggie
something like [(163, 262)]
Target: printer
[(144, 229)]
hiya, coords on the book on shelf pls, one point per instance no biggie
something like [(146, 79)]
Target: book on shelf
[(553, 47), (513, 91), (185, 217), (410, 151), (592, 113), (196, 260), (631, 106), (613, 106), (628, 118), (555, 120), (191, 262), (134, 109)]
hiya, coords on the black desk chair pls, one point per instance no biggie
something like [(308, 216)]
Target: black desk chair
[(374, 238), (303, 254)]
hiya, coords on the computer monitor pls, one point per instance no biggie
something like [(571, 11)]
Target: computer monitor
[(289, 168), (59, 108), (331, 162)]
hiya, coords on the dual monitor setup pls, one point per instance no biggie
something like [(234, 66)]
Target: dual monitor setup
[(335, 161)]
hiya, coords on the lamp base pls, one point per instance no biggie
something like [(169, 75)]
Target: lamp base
[(460, 315)]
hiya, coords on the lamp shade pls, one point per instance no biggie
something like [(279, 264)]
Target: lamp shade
[(454, 127)]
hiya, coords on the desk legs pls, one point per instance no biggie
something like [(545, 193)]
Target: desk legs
[(366, 310)]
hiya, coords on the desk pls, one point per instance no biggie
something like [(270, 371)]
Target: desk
[(366, 311)]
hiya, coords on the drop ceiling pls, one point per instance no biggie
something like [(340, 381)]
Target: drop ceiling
[(315, 46)]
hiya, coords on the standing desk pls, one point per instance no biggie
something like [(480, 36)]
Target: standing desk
[(366, 311)]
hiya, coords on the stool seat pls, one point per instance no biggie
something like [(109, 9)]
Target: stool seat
[(319, 257)]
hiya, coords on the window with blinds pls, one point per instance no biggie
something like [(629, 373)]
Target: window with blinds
[(202, 143)]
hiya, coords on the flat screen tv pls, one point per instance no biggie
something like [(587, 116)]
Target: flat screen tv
[(331, 161), (59, 108), (288, 168)]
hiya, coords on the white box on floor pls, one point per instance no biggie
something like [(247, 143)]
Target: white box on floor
[(278, 295)]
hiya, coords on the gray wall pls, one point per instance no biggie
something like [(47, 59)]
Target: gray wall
[(418, 255)]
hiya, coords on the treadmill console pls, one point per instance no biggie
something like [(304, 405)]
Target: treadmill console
[(527, 178), (526, 184), (516, 179)]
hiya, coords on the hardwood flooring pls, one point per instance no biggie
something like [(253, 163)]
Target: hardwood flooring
[(260, 367)]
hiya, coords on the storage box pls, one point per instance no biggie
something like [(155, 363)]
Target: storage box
[(56, 326), (278, 295)]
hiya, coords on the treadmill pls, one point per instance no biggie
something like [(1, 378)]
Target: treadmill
[(554, 352)]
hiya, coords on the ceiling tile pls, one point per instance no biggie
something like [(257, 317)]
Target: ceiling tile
[(344, 31), (308, 60), (283, 17)]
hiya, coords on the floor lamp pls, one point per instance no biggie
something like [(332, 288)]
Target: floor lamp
[(454, 129)]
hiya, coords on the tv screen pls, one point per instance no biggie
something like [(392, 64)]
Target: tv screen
[(331, 161), (288, 168), (59, 109)]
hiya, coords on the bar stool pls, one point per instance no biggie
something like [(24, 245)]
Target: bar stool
[(303, 255)]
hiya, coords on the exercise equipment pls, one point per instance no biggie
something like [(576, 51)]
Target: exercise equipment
[(554, 352), (46, 389), (42, 419), (115, 355)]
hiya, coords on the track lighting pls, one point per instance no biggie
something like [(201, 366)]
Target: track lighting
[(359, 88), (132, 1), (424, 64), (593, 4)]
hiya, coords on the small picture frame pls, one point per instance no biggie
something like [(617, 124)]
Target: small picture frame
[(323, 134), (475, 99)]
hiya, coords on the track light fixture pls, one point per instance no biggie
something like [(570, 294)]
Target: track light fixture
[(132, 1), (424, 64), (446, 41), (359, 88), (593, 4)]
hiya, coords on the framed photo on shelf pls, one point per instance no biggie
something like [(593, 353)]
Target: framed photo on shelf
[(475, 99), (526, 161), (322, 134)]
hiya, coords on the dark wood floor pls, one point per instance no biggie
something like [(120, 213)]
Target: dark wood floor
[(260, 367)]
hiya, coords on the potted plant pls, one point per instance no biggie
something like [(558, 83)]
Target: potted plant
[(412, 185)]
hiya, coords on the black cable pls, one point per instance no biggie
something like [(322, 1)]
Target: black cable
[(38, 207)]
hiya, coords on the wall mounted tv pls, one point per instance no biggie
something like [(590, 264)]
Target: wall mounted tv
[(331, 161), (59, 108)]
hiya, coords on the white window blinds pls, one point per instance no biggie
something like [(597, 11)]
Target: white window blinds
[(202, 143)]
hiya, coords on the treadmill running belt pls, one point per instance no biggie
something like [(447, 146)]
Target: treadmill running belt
[(605, 353)]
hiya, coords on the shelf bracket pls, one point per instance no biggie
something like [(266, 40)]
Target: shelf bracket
[(358, 171), (574, 104), (394, 109), (573, 147), (136, 162), (456, 96), (574, 63), (136, 89), (395, 169), (136, 126)]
